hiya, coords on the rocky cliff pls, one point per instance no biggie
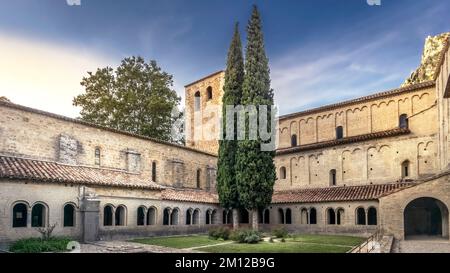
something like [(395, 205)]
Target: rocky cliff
[(430, 59)]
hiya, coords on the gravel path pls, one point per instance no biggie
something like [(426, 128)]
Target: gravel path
[(423, 246), (128, 247)]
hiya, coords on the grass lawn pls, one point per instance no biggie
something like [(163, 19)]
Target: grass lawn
[(179, 241), (297, 244), (287, 247)]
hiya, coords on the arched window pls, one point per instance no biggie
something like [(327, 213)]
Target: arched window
[(360, 216), (283, 173), (107, 216), (281, 216), (20, 213), (199, 174), (174, 217), (196, 217), (120, 216), (166, 217), (312, 216), (331, 216), (188, 216), (372, 216), (151, 216), (405, 169), (213, 217), (304, 217), (333, 177), (197, 101), (293, 140), (97, 156), (339, 132), (208, 217), (154, 171), (209, 93), (140, 216), (225, 217), (38, 213), (403, 121), (340, 217), (266, 217), (288, 216), (69, 215)]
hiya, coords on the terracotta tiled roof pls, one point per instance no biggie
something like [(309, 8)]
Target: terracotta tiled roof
[(44, 171), (337, 194), (347, 140), (190, 195), (384, 94)]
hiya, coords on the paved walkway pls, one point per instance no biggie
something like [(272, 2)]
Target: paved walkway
[(423, 246)]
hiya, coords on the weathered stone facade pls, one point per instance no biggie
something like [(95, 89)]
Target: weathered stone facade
[(389, 167)]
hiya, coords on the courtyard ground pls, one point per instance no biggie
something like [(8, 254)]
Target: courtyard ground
[(296, 244)]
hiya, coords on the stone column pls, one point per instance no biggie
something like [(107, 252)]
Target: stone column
[(90, 218)]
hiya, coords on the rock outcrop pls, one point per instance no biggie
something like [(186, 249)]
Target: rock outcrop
[(430, 59)]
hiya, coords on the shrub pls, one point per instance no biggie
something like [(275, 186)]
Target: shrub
[(271, 240), (37, 245), (252, 239), (280, 232), (283, 240), (246, 236), (219, 233)]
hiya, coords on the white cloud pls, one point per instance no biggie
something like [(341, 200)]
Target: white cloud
[(44, 75)]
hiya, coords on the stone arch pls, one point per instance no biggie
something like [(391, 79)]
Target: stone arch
[(281, 218), (189, 216), (283, 173), (19, 214), (426, 216), (406, 169), (209, 93), (39, 214), (288, 216), (372, 219), (312, 216), (174, 216), (197, 101), (304, 216), (331, 216), (340, 216), (227, 216), (151, 216), (360, 216), (140, 219), (120, 216), (69, 214), (166, 216), (108, 211), (196, 217)]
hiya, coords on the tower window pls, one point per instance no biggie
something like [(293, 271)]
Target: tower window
[(97, 156), (405, 169), (333, 177), (283, 173), (199, 173), (209, 93), (154, 171), (197, 101), (403, 121), (339, 132), (294, 140)]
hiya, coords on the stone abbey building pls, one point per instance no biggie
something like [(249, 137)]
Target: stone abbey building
[(379, 162)]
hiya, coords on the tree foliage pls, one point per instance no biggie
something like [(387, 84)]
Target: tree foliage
[(234, 77), (136, 97), (255, 170)]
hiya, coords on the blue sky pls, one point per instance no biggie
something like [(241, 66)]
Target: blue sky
[(320, 51)]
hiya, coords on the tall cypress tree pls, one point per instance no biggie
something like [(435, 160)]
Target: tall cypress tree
[(255, 170), (234, 77)]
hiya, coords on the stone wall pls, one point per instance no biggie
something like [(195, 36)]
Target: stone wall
[(33, 135), (202, 125)]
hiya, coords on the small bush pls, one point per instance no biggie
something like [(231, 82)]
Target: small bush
[(246, 236), (271, 240), (37, 245), (280, 232), (219, 233), (283, 240)]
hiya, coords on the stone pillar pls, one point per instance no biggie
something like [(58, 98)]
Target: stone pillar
[(90, 218)]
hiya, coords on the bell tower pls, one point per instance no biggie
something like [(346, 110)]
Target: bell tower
[(203, 110)]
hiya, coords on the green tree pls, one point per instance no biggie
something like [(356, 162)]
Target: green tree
[(255, 170), (234, 77), (136, 97)]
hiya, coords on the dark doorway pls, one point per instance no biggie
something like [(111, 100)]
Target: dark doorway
[(426, 217), (243, 216)]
